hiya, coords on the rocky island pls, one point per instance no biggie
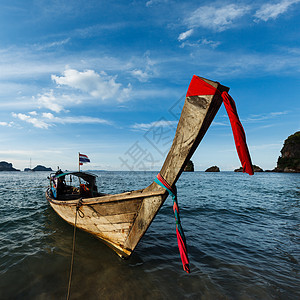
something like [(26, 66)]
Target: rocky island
[(255, 169), (289, 161), (189, 167), (42, 168), (213, 169), (5, 166)]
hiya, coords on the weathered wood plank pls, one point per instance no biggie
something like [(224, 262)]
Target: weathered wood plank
[(146, 214), (117, 207), (197, 114), (113, 229), (109, 198)]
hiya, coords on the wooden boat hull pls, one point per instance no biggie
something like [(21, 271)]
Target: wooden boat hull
[(121, 220), (111, 217)]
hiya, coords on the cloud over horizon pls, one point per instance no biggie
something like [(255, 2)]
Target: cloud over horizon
[(46, 120), (219, 19), (273, 10), (101, 86), (159, 123)]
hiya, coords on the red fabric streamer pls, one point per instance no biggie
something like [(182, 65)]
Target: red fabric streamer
[(199, 87), (175, 207), (183, 252), (238, 133)]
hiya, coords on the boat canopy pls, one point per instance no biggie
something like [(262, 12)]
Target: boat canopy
[(89, 177)]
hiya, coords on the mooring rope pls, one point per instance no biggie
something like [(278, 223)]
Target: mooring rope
[(79, 204)]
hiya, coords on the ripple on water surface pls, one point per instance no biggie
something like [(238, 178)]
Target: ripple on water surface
[(242, 234)]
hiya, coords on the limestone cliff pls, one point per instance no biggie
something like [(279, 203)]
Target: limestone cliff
[(289, 161), (189, 167), (5, 166), (41, 168), (213, 169)]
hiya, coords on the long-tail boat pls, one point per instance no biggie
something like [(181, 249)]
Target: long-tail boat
[(121, 220)]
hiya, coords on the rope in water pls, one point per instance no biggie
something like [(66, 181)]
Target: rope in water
[(79, 204)]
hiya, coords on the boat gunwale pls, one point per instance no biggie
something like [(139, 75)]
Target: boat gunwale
[(107, 198)]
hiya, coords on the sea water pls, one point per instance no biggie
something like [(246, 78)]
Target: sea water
[(242, 235)]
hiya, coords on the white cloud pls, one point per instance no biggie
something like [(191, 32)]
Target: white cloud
[(152, 2), (272, 11), (145, 67), (80, 120), (185, 35), (266, 146), (203, 42), (33, 113), (50, 101), (279, 113), (212, 44), (221, 64), (34, 121), (48, 119), (97, 85), (22, 117), (214, 123), (6, 124), (218, 19), (161, 123), (51, 45), (48, 116), (140, 75), (265, 116)]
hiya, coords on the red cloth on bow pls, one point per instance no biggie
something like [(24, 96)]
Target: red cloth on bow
[(199, 87), (238, 134)]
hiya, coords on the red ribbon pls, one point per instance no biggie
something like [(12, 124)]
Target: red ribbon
[(199, 87), (238, 133), (183, 252)]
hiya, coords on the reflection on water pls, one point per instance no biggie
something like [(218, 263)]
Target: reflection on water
[(242, 234)]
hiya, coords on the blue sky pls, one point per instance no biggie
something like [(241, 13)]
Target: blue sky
[(107, 78)]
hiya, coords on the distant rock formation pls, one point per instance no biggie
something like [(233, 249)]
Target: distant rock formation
[(27, 170), (289, 161), (255, 169), (41, 168), (213, 169), (5, 166), (189, 167)]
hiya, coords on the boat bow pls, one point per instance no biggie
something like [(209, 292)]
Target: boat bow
[(121, 220)]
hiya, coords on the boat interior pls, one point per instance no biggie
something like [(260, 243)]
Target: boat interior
[(73, 185)]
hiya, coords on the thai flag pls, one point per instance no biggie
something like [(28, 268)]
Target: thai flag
[(83, 159)]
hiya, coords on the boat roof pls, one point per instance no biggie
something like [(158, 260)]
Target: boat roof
[(84, 175)]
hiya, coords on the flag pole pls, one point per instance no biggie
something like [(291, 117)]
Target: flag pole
[(79, 161), (79, 167)]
